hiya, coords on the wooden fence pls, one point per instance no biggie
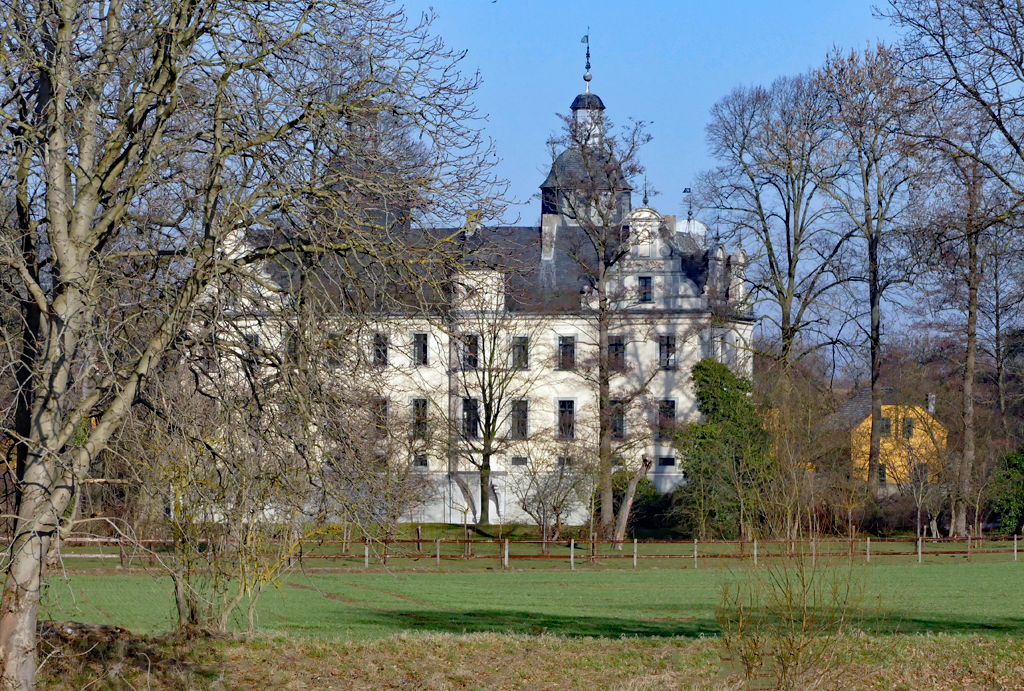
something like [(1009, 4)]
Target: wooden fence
[(691, 553)]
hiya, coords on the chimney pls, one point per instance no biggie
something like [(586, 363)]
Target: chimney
[(931, 404)]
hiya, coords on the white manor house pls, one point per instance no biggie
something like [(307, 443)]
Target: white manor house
[(511, 370)]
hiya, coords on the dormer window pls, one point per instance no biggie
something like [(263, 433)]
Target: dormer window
[(643, 248)]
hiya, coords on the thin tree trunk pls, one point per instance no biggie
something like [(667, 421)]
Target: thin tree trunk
[(966, 470), (627, 503), (875, 296), (485, 488), (607, 517)]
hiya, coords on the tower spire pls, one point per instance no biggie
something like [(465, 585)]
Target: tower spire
[(586, 75)]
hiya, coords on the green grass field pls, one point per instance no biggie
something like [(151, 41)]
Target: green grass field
[(977, 598)]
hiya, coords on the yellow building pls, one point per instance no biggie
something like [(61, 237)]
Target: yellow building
[(913, 443)]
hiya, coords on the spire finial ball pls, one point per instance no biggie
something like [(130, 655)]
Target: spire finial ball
[(587, 76)]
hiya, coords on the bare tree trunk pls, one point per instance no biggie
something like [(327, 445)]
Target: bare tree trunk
[(965, 471), (607, 519), (875, 296), (18, 613), (627, 503), (485, 489)]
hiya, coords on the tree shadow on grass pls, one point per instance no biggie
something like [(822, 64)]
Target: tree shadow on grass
[(896, 622), (533, 623)]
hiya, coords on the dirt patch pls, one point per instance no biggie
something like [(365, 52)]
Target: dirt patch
[(394, 595), (330, 596)]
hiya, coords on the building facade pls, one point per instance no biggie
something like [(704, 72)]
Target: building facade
[(507, 382)]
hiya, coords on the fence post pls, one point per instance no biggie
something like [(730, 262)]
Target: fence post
[(968, 547), (755, 552), (919, 539), (694, 552), (438, 552), (814, 552), (867, 551), (505, 563), (385, 552), (419, 536), (366, 554), (634, 550), (572, 554), (1015, 548), (593, 548)]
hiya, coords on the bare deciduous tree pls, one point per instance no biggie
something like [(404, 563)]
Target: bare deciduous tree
[(772, 145), (146, 149), (591, 188), (959, 217), (871, 106), (492, 375)]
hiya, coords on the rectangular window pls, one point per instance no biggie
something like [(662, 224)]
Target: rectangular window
[(618, 420), (521, 352), (617, 353), (420, 461), (566, 352), (380, 350), (520, 460), (666, 461), (470, 418), (666, 420), (646, 291), (564, 461), (419, 418), (566, 420), (667, 352), (419, 350), (920, 473), (379, 412), (908, 427), (520, 419), (886, 427), (470, 351), (881, 473)]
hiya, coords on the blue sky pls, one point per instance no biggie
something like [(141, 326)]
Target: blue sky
[(662, 62)]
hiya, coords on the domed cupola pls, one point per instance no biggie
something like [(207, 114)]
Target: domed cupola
[(584, 166), (587, 101)]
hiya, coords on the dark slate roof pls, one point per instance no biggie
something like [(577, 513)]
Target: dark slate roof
[(858, 409), (533, 284), (587, 101), (569, 171), (556, 284)]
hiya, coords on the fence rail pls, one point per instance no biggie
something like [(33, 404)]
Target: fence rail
[(593, 551)]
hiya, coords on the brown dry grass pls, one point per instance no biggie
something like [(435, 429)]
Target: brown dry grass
[(121, 662)]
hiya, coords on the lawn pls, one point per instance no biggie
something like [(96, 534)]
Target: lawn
[(974, 598)]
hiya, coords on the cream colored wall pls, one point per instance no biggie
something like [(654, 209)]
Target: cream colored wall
[(544, 385)]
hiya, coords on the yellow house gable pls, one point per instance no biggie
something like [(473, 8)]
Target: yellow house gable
[(911, 449)]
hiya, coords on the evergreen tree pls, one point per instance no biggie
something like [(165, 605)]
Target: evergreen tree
[(726, 456)]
